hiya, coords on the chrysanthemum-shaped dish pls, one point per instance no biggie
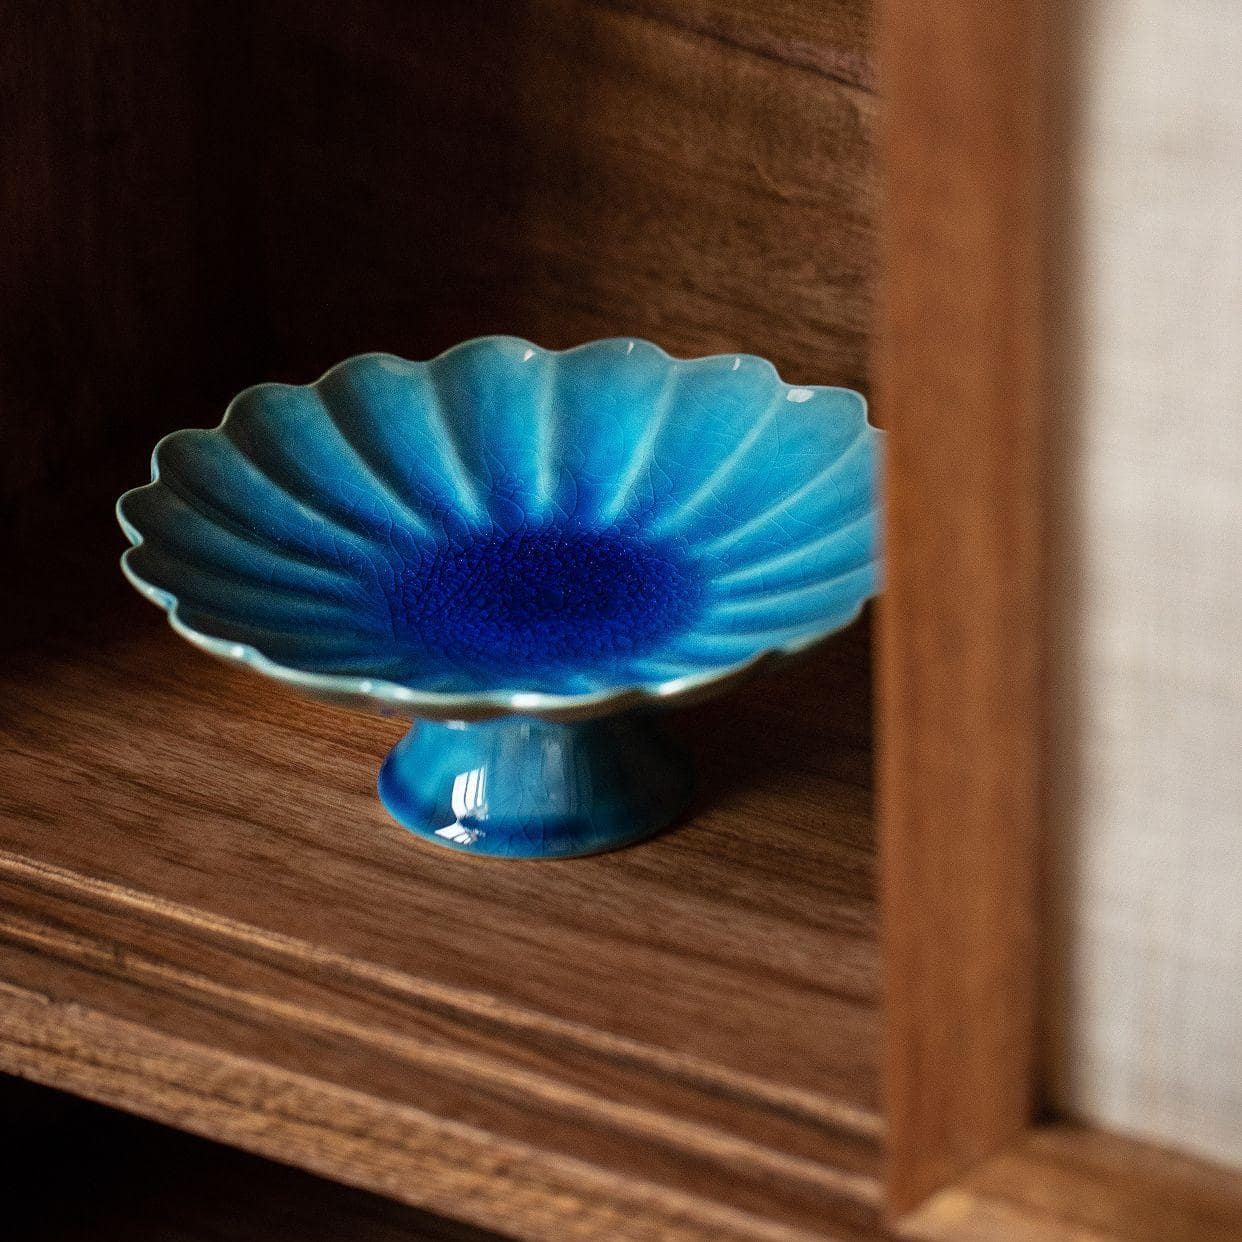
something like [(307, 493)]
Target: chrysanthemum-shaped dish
[(525, 549)]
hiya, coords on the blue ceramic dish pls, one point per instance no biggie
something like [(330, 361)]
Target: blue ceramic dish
[(524, 549)]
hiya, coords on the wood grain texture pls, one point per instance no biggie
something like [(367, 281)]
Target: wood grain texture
[(143, 1182), (831, 38), (1072, 1184), (975, 121), (700, 174), (205, 916), (121, 259), (960, 693)]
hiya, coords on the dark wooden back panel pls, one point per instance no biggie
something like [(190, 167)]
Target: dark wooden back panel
[(124, 260), (699, 174), (199, 196)]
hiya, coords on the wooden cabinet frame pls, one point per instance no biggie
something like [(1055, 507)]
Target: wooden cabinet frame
[(978, 159)]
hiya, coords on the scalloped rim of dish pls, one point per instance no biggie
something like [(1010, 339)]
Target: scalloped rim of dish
[(393, 698)]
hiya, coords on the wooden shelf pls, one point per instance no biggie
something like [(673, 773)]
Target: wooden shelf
[(207, 918)]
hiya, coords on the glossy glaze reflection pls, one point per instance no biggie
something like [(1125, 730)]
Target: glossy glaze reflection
[(506, 529), (522, 788)]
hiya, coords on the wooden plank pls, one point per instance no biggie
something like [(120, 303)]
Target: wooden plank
[(960, 694), (197, 855), (1068, 1183), (206, 196), (450, 1167)]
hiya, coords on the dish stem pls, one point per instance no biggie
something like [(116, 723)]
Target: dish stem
[(516, 787)]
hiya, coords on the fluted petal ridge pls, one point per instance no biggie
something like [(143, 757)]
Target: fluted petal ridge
[(507, 528)]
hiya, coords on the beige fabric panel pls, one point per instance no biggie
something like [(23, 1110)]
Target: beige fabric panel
[(1149, 634)]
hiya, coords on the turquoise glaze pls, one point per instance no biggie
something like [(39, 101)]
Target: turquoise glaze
[(532, 549), (517, 787)]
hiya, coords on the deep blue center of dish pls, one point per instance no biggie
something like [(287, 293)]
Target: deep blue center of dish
[(544, 598)]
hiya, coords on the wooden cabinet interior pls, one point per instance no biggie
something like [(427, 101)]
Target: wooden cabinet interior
[(204, 914), (205, 917)]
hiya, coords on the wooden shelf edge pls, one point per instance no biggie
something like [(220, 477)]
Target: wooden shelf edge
[(142, 972), (62, 889), (450, 1168), (1071, 1183)]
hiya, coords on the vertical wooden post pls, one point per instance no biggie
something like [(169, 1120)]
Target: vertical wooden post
[(958, 386)]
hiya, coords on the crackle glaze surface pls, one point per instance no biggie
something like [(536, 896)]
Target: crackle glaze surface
[(511, 530)]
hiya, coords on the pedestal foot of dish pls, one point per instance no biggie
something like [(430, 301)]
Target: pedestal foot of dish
[(523, 788)]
